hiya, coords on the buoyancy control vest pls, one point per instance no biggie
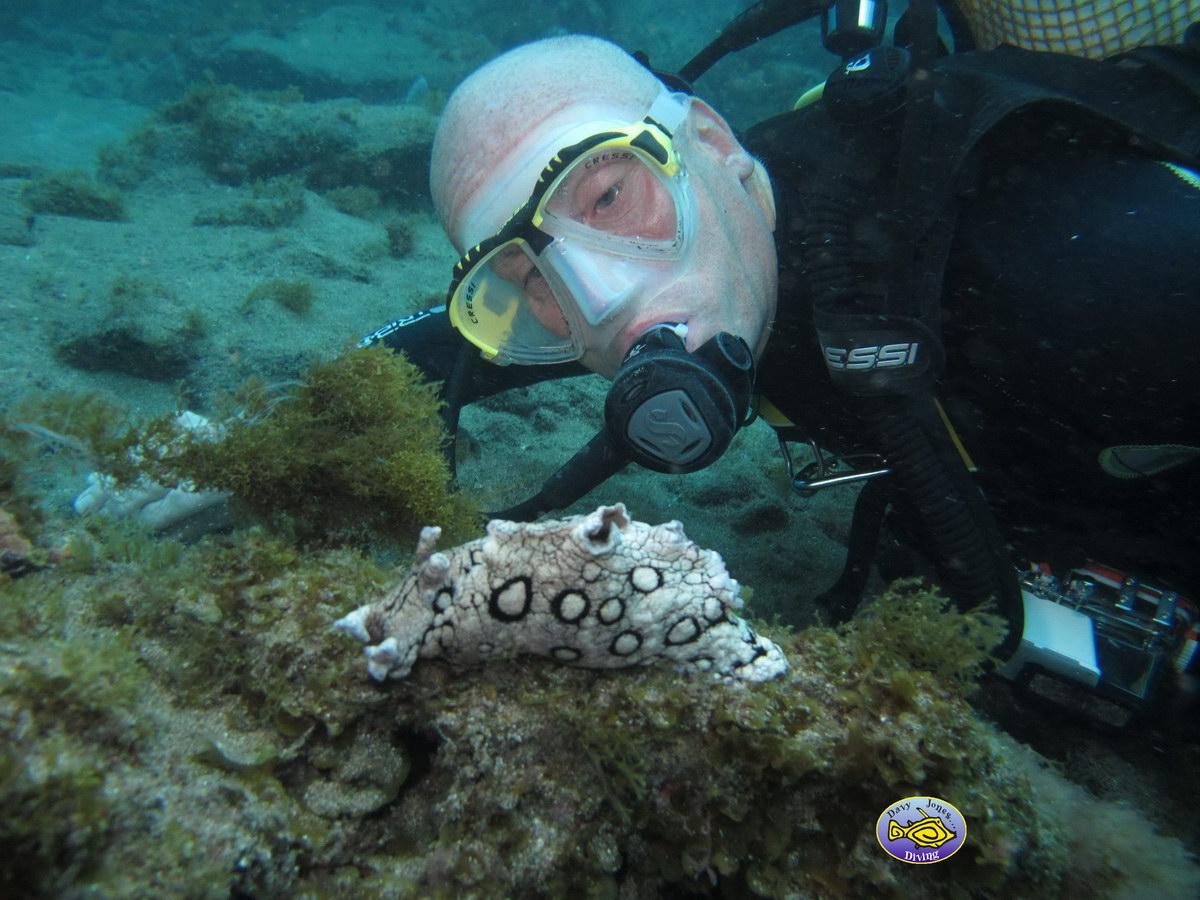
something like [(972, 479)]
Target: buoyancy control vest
[(838, 260), (846, 165)]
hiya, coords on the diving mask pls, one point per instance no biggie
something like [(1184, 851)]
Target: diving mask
[(611, 218)]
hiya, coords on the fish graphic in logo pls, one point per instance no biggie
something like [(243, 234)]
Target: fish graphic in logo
[(921, 830), (929, 831)]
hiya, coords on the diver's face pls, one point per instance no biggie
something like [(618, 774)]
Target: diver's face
[(663, 220), (730, 283)]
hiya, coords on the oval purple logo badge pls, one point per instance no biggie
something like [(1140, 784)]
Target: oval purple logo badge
[(921, 830)]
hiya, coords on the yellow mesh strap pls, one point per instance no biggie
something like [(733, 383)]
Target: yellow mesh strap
[(1092, 28)]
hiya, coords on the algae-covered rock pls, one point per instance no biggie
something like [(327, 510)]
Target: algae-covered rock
[(244, 139), (16, 219), (370, 52), (137, 328), (271, 204), (364, 773), (74, 194), (210, 733)]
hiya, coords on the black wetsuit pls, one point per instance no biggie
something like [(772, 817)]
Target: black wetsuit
[(1071, 323), (1070, 316)]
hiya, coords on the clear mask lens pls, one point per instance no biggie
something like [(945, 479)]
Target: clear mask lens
[(504, 306), (616, 196), (614, 222)]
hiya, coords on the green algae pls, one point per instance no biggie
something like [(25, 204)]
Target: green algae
[(905, 631), (89, 427), (229, 691), (182, 719), (54, 817), (355, 200), (351, 454), (294, 296), (76, 195), (273, 203)]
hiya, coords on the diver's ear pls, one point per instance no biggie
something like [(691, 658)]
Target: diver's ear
[(714, 134), (709, 126)]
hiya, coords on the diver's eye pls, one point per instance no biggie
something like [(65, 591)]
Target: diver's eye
[(615, 193), (609, 197)]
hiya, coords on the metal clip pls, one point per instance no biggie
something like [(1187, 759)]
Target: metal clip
[(819, 473)]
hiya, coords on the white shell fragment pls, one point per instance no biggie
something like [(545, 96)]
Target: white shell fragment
[(597, 591)]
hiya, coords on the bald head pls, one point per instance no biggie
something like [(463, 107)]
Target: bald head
[(511, 117), (506, 120)]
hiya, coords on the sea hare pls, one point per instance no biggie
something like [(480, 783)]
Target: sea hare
[(598, 591)]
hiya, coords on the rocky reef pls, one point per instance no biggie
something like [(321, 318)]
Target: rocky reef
[(184, 719)]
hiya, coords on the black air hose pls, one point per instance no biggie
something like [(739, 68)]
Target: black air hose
[(956, 521), (929, 480), (760, 21), (842, 598)]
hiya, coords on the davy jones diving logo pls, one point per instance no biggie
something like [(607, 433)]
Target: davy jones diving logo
[(921, 830)]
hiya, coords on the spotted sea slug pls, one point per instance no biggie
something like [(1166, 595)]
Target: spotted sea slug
[(597, 591)]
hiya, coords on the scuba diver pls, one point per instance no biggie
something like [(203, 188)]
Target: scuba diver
[(970, 280)]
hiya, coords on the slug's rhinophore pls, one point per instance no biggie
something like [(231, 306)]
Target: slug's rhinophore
[(597, 591)]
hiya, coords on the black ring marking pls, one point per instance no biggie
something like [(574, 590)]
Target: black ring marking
[(502, 594), (612, 648), (566, 598), (605, 612), (641, 571)]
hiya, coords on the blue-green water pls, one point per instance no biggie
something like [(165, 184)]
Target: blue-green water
[(192, 195)]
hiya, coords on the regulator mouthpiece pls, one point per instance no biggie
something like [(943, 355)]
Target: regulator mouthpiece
[(674, 411)]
